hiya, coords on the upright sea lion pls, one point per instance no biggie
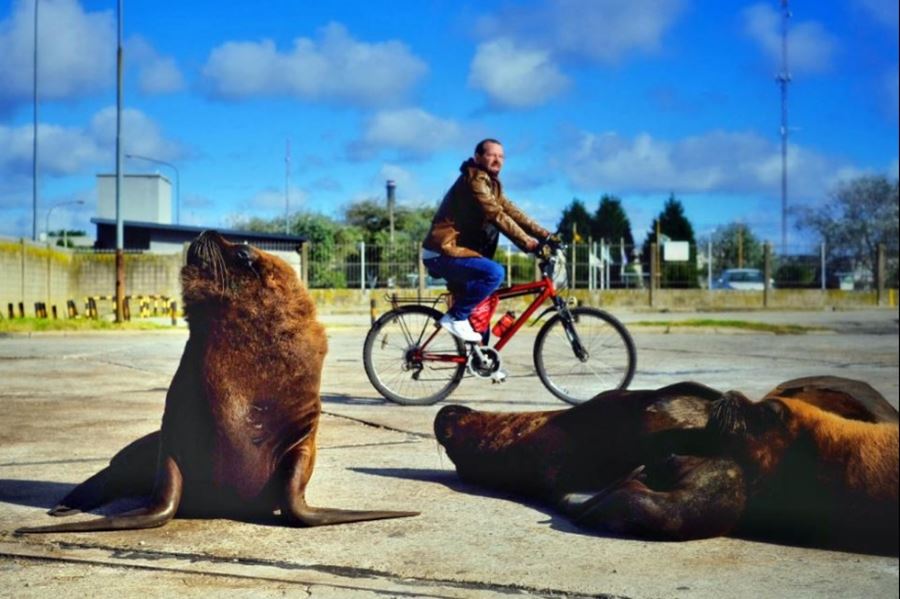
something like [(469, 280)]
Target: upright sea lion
[(238, 434), (791, 469)]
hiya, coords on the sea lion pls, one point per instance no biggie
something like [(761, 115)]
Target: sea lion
[(550, 454), (814, 476), (628, 462), (238, 434)]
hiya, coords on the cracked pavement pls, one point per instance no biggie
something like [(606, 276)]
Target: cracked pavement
[(71, 401)]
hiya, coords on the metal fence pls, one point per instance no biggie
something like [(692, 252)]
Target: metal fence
[(604, 265)]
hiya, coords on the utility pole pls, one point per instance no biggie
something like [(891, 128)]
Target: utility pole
[(120, 226), (391, 202), (287, 186), (784, 79)]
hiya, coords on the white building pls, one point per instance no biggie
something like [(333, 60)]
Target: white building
[(145, 198)]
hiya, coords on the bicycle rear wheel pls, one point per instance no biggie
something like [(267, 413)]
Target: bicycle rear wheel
[(392, 357), (607, 362)]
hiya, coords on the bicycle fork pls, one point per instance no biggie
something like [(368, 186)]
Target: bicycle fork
[(568, 323)]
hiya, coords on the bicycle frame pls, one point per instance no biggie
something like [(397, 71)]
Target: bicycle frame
[(543, 289)]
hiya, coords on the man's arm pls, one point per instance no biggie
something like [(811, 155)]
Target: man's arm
[(494, 209), (522, 219)]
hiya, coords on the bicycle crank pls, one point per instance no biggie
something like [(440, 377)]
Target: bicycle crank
[(485, 362)]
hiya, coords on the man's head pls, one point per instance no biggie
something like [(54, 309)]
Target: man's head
[(489, 155)]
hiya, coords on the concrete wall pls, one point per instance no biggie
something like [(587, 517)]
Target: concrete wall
[(33, 272), (355, 301)]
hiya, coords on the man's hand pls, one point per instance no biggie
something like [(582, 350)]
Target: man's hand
[(544, 250)]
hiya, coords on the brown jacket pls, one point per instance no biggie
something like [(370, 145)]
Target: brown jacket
[(467, 220)]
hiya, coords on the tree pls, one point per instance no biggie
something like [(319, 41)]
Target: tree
[(735, 246), (574, 214), (610, 222), (674, 225), (861, 214)]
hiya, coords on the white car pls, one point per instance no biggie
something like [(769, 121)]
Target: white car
[(741, 279)]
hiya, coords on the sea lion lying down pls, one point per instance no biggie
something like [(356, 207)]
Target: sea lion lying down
[(815, 462), (238, 435)]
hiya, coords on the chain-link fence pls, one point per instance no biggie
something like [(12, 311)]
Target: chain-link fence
[(616, 265)]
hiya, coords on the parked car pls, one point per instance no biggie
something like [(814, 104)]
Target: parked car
[(412, 280), (742, 279)]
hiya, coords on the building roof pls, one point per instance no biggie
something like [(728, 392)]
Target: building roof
[(194, 230)]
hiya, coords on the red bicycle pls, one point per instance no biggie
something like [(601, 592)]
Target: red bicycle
[(578, 352)]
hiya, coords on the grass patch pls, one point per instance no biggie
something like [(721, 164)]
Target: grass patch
[(762, 327), (39, 325)]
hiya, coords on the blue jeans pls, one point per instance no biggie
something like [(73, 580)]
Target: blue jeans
[(471, 279)]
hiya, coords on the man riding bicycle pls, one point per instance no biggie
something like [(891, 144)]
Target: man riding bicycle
[(464, 233)]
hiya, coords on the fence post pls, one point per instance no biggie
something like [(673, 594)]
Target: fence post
[(49, 269), (767, 272), (822, 275), (304, 264), (362, 265), (654, 271), (508, 265), (22, 270), (574, 254), (879, 275), (421, 268)]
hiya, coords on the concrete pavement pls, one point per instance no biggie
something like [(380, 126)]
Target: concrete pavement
[(71, 401)]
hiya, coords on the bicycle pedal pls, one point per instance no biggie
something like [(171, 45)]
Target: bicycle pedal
[(498, 377)]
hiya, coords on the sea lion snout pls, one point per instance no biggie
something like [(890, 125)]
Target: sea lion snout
[(446, 420)]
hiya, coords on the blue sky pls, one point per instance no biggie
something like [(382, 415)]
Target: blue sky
[(637, 98)]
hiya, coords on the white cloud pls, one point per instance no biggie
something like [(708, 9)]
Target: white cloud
[(514, 76), (604, 31), (810, 47), (76, 51), (891, 83), (332, 66), (66, 151), (717, 161), (156, 74), (885, 12), (410, 131), (893, 169)]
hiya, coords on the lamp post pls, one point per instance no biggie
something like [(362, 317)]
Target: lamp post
[(47, 221), (34, 147), (177, 181)]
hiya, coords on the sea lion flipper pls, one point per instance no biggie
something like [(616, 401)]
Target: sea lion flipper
[(297, 512), (164, 504), (130, 474)]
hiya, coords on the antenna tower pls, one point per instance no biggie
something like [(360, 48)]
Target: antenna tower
[(784, 79)]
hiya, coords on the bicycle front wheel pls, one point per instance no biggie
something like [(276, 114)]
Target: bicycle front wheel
[(578, 357), (392, 356)]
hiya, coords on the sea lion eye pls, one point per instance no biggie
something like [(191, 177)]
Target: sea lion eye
[(244, 255)]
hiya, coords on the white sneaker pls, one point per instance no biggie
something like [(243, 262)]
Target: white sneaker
[(460, 328)]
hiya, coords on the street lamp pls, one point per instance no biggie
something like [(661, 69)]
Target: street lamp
[(34, 147), (47, 221), (177, 181)]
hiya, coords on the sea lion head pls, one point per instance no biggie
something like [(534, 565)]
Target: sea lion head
[(221, 272), (756, 432), (499, 449)]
